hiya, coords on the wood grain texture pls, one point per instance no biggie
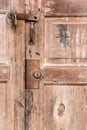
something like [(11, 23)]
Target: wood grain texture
[(18, 6), (65, 7), (3, 38), (65, 75), (4, 4), (60, 102), (56, 107), (12, 53), (72, 115), (16, 85), (4, 73), (33, 109), (65, 39)]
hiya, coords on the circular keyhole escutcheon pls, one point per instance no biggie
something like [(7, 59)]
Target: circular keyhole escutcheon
[(37, 74)]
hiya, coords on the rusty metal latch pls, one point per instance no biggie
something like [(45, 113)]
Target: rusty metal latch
[(27, 17)]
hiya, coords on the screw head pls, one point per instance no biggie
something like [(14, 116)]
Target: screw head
[(37, 74)]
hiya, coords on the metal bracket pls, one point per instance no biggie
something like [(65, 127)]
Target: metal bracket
[(26, 17), (33, 73), (32, 18)]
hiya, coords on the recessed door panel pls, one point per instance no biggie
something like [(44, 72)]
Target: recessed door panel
[(65, 38), (65, 107)]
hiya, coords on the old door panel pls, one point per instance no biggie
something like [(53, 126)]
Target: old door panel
[(56, 107), (65, 38), (57, 101), (64, 107), (65, 6), (3, 38), (12, 61)]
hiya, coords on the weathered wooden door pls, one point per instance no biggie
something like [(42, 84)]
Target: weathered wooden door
[(56, 66), (12, 67), (55, 49)]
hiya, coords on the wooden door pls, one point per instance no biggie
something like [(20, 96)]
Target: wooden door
[(12, 67), (56, 66)]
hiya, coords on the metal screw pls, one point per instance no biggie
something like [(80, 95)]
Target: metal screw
[(37, 74)]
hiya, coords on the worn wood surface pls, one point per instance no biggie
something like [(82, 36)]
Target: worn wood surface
[(18, 5), (60, 47), (60, 101), (12, 54), (4, 73), (58, 107), (65, 6), (65, 38), (65, 75), (64, 107)]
